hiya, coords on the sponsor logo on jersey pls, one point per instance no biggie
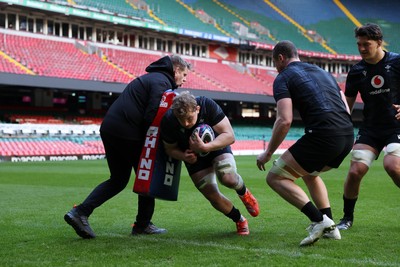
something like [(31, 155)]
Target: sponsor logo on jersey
[(377, 81)]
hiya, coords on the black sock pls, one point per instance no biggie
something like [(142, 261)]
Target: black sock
[(241, 191), (327, 212), (234, 214), (348, 207), (312, 212)]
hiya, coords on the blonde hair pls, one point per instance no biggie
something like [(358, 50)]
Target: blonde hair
[(183, 104)]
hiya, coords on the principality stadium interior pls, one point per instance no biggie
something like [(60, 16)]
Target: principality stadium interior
[(64, 62)]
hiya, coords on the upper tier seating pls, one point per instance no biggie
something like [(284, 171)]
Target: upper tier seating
[(384, 13), (174, 14), (110, 6), (324, 17), (225, 19), (280, 28), (319, 16)]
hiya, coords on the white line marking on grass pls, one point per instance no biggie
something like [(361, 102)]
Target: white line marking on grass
[(360, 262)]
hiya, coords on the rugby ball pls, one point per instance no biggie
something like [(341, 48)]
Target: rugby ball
[(206, 134)]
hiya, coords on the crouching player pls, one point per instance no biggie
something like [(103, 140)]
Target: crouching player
[(177, 126)]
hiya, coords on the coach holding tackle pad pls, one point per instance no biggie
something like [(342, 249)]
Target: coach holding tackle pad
[(123, 132)]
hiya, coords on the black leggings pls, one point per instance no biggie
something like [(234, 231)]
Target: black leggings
[(121, 156)]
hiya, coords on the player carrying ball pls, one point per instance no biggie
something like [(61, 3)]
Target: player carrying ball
[(177, 126)]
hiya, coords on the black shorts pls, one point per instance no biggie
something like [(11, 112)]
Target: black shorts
[(377, 138), (207, 161), (313, 153)]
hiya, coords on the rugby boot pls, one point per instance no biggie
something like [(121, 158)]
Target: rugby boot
[(80, 224), (150, 229), (250, 202)]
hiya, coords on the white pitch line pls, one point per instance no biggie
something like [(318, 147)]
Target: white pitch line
[(360, 262)]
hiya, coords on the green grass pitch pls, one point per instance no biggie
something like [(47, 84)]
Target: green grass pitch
[(35, 196)]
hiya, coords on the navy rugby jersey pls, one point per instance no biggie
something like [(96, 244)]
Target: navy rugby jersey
[(379, 87), (316, 95), (172, 132)]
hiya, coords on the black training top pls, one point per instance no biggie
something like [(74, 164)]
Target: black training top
[(379, 87), (134, 110), (172, 132), (316, 95)]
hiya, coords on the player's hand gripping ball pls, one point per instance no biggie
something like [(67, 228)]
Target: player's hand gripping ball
[(206, 134)]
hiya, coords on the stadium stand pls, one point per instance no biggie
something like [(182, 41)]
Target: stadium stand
[(59, 58), (228, 78), (43, 139), (279, 27), (226, 18), (318, 17), (6, 65), (120, 7), (30, 51), (379, 12), (266, 76), (187, 19), (133, 62), (44, 56), (48, 147)]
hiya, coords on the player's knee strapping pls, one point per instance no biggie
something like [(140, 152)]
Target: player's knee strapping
[(279, 168), (228, 166), (393, 149), (363, 156), (208, 179)]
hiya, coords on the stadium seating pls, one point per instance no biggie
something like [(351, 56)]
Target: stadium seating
[(47, 147), (379, 12), (314, 15), (168, 10), (256, 146), (280, 28), (109, 6), (53, 56), (58, 146), (7, 63), (44, 57), (267, 77), (8, 67), (320, 16), (132, 62), (229, 79), (223, 17), (68, 139)]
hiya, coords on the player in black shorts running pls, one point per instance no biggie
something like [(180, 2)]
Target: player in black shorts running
[(377, 78), (327, 140)]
